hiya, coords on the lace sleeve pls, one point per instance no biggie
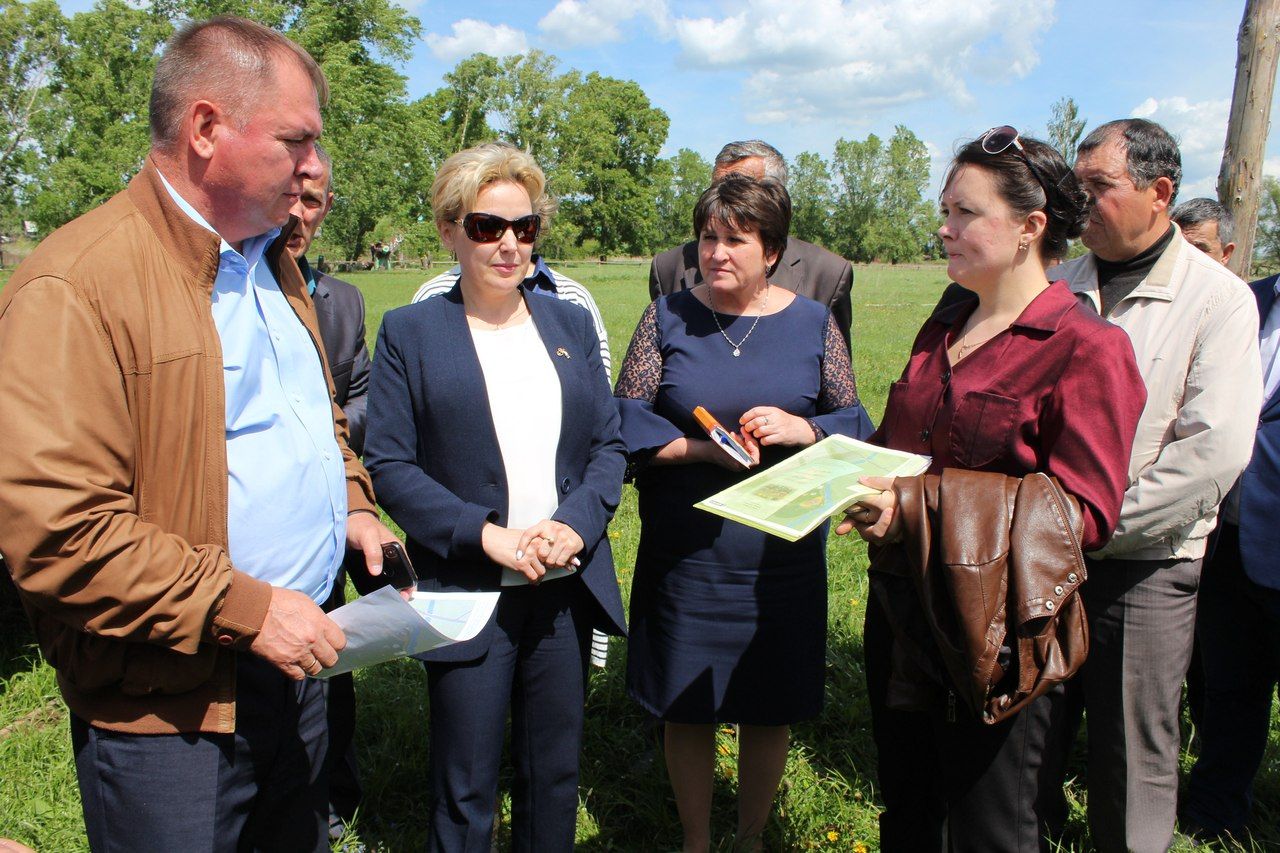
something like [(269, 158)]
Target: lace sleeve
[(839, 388), (641, 370)]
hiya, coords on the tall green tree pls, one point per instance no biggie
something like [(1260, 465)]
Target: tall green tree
[(96, 133), (462, 105), (880, 208), (1065, 128), (1266, 254), (379, 144), (901, 230), (608, 150), (858, 169), (31, 42), (812, 198), (681, 178), (531, 104)]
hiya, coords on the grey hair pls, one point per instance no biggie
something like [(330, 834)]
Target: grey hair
[(1198, 211), (1150, 152), (228, 60), (775, 165)]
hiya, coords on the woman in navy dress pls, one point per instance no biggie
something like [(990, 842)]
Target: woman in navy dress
[(728, 624)]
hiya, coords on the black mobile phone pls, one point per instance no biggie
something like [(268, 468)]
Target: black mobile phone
[(397, 571)]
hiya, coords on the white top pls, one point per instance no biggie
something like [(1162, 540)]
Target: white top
[(565, 289), (524, 398)]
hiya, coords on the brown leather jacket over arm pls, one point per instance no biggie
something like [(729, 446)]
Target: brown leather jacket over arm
[(983, 591)]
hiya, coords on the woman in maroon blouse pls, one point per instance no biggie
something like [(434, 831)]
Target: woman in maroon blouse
[(1011, 375)]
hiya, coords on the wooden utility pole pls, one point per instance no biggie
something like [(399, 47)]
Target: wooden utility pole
[(1240, 179)]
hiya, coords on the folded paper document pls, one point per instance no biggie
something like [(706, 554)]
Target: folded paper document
[(383, 626), (795, 496)]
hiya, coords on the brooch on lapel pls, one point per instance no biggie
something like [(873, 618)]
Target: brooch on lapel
[(562, 352)]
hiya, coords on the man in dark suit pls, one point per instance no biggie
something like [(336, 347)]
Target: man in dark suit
[(1238, 622), (339, 306), (340, 311), (804, 268)]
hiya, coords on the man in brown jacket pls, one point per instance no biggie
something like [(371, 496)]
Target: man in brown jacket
[(176, 489)]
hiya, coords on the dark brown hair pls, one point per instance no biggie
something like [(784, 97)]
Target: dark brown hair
[(1050, 186), (742, 202)]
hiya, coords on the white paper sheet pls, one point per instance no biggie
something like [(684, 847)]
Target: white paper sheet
[(383, 626)]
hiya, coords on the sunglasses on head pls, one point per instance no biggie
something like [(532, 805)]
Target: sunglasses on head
[(487, 228), (997, 140)]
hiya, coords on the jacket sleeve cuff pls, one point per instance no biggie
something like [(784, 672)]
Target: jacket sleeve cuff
[(240, 614), (466, 542), (360, 497)]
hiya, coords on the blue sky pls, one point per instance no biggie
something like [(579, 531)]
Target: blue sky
[(803, 73)]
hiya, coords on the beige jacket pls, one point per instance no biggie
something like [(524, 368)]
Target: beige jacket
[(113, 479), (1194, 327)]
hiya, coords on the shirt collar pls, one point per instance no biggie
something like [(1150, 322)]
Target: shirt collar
[(307, 274), (253, 247), (1043, 313), (540, 278)]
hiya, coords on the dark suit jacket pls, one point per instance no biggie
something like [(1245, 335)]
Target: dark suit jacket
[(340, 311), (804, 268), (436, 465), (1259, 485)]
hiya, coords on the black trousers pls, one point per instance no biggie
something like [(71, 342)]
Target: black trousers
[(260, 788), (1239, 630), (959, 784), (536, 667), (340, 762)]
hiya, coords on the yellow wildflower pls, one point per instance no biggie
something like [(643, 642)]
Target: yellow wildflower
[(859, 847), (832, 835)]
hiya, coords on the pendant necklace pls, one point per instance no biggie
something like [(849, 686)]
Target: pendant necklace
[(737, 348)]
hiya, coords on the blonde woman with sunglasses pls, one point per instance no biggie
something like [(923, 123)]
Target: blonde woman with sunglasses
[(493, 442)]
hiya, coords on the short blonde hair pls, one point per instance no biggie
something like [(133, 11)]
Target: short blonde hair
[(465, 174)]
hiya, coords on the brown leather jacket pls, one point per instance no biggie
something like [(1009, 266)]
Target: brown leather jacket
[(982, 592), (113, 479)]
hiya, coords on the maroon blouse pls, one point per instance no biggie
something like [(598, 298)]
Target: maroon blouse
[(1058, 391)]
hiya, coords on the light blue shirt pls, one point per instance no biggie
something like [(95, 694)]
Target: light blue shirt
[(286, 483)]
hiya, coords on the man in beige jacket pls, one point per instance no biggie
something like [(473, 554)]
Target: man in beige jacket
[(1194, 328), (176, 490)]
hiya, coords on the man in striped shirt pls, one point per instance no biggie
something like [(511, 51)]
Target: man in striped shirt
[(540, 278)]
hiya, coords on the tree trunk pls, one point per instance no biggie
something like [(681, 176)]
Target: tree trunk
[(1240, 180)]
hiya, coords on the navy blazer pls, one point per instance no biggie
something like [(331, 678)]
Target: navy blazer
[(431, 449), (340, 316), (1259, 485)]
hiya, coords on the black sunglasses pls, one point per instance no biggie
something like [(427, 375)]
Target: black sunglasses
[(997, 140), (487, 228)]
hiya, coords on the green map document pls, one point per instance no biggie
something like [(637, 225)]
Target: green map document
[(795, 496)]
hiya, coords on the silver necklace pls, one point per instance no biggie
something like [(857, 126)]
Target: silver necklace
[(737, 348)]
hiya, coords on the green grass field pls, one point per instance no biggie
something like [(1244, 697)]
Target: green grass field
[(828, 800)]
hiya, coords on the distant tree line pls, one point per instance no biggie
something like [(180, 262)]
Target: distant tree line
[(73, 130)]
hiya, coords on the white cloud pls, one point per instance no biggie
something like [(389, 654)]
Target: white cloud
[(472, 36), (1201, 129), (812, 60), (573, 23)]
